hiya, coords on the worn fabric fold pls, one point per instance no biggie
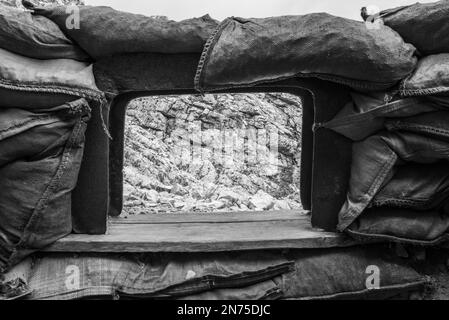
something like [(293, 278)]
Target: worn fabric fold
[(243, 52), (103, 31), (40, 156)]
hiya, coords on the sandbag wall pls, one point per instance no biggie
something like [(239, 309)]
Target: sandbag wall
[(397, 120), (398, 67), (334, 273), (47, 90), (399, 187)]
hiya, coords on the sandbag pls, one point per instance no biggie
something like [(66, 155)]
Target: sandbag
[(430, 77), (375, 160), (401, 225), (249, 51), (367, 114), (63, 276), (33, 84), (106, 31), (417, 187), (174, 275), (35, 36), (425, 25), (344, 273), (40, 156), (311, 274), (432, 124)]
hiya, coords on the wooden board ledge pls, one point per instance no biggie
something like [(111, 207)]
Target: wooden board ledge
[(193, 232)]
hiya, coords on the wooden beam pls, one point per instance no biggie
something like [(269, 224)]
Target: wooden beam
[(205, 233), (215, 217)]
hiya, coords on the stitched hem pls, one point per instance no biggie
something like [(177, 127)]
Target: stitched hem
[(355, 294), (417, 204), (356, 84), (213, 39), (420, 92), (78, 294), (397, 125), (208, 283), (50, 189), (354, 213), (53, 88), (205, 55), (377, 112), (362, 236)]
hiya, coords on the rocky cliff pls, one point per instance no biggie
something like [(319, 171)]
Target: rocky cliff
[(213, 153)]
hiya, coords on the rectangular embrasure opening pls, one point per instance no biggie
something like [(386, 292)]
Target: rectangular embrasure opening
[(216, 154), (201, 175)]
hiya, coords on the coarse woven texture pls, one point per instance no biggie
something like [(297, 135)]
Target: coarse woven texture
[(416, 186), (104, 31), (250, 51), (374, 163), (177, 275), (40, 156), (344, 273), (47, 82), (311, 274), (367, 114), (431, 76), (401, 225), (425, 25), (35, 36), (65, 276)]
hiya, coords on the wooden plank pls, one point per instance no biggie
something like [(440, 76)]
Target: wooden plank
[(204, 237), (215, 217)]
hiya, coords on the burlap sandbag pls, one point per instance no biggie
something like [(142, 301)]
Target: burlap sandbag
[(104, 31), (431, 76), (367, 114), (343, 273), (29, 83), (40, 156), (425, 25), (249, 51), (35, 36), (416, 186), (401, 225)]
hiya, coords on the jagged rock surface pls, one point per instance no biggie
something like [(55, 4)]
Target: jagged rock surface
[(18, 3), (161, 176)]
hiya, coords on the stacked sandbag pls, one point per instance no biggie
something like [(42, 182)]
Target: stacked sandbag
[(47, 91), (425, 25), (35, 36), (431, 77), (244, 52), (366, 114), (40, 155), (298, 274), (399, 182), (105, 32)]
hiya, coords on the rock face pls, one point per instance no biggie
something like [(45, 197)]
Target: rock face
[(18, 3), (222, 152)]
